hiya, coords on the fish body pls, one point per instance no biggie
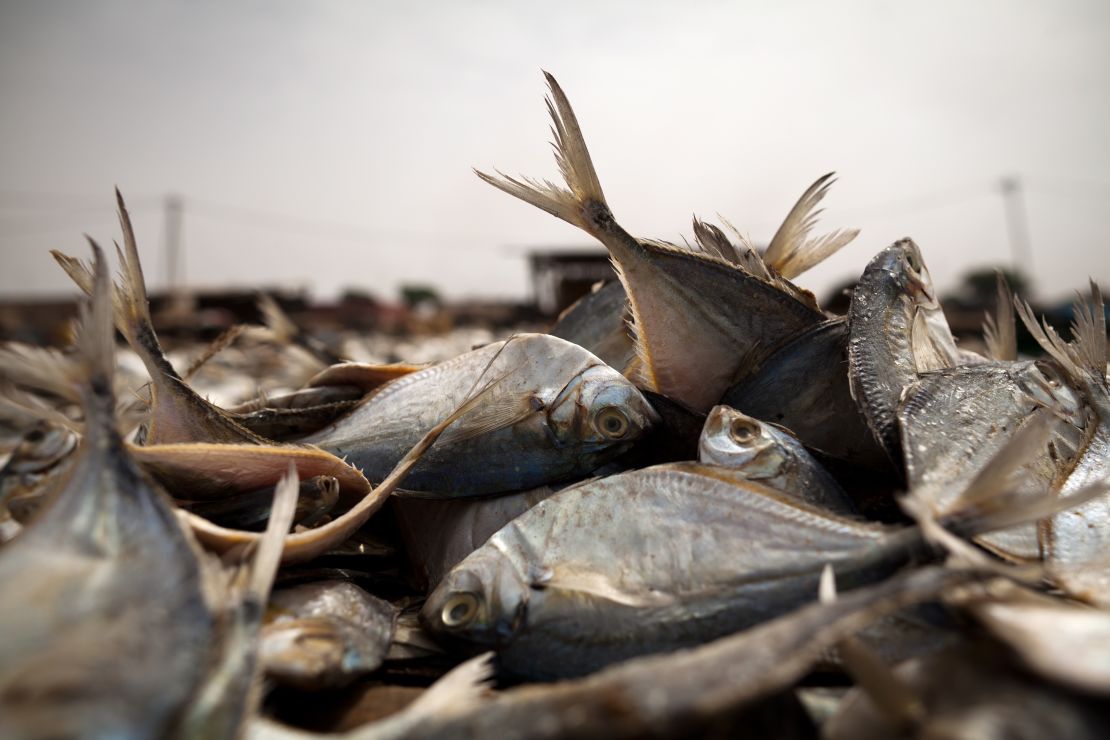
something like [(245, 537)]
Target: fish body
[(896, 329), (770, 455), (115, 623), (953, 423), (648, 561), (556, 412), (701, 319)]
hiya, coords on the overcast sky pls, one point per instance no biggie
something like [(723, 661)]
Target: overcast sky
[(330, 144)]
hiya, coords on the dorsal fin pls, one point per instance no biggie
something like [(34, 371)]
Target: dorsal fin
[(1085, 359), (791, 251), (999, 328)]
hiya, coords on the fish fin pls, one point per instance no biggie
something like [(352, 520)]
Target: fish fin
[(711, 240), (574, 163), (1089, 333), (27, 409), (39, 368), (465, 684), (1048, 339), (990, 501), (496, 413), (1000, 328), (282, 327), (791, 252), (890, 694), (268, 555), (216, 346), (367, 376), (927, 353)]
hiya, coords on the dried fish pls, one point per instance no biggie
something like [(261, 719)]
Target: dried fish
[(555, 412), (699, 320), (804, 387), (105, 567), (772, 456), (325, 634), (896, 329)]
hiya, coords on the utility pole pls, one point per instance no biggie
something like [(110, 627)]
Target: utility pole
[(1017, 223), (175, 269)]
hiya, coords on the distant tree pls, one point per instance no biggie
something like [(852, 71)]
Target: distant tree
[(415, 295), (979, 286)]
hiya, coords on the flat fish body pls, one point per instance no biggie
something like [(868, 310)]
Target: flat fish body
[(647, 561), (954, 421), (533, 429), (439, 534)]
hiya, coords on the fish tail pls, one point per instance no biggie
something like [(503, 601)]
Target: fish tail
[(581, 202), (49, 370), (129, 298)]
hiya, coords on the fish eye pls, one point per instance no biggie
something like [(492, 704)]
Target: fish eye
[(743, 431), (459, 610), (612, 422)]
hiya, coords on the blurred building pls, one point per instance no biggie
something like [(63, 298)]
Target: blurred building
[(562, 276)]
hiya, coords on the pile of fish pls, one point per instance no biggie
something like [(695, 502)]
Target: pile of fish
[(699, 505)]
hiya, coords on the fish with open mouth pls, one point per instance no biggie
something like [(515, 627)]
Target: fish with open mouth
[(770, 455), (896, 330)]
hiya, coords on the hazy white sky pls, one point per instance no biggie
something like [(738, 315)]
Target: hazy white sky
[(330, 144)]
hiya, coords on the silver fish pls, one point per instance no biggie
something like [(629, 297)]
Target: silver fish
[(767, 454), (1077, 541), (896, 329), (955, 421), (555, 412), (700, 318), (325, 634), (698, 553), (685, 693)]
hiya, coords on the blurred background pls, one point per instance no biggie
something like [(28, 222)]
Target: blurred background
[(322, 152)]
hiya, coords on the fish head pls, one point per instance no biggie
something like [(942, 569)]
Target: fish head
[(599, 408), (482, 601), (931, 339), (739, 441), (903, 262)]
